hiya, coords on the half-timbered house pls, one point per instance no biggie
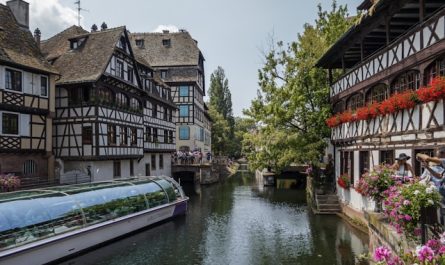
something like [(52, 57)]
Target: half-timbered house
[(180, 64), (27, 90), (101, 107), (397, 46)]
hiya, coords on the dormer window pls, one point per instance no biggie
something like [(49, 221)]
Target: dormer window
[(76, 43), (166, 42), (123, 43), (163, 74), (140, 43)]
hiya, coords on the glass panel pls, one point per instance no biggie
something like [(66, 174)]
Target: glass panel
[(92, 204), (155, 195), (64, 212), (28, 221), (183, 110), (168, 187), (183, 91)]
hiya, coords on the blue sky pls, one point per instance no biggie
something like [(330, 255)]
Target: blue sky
[(231, 33)]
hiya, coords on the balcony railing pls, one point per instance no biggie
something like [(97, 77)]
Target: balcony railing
[(417, 39)]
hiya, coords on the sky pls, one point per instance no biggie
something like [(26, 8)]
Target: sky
[(233, 34)]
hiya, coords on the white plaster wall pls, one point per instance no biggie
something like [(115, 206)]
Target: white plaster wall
[(139, 167)]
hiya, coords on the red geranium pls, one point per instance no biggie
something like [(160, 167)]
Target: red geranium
[(346, 116), (344, 181)]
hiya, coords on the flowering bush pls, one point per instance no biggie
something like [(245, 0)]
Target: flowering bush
[(432, 253), (362, 186), (435, 91), (344, 181), (404, 203), (9, 182), (377, 181)]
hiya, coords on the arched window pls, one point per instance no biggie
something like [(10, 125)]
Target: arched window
[(106, 95), (135, 104), (407, 81), (29, 167), (339, 107), (355, 102), (437, 68), (377, 93), (122, 100)]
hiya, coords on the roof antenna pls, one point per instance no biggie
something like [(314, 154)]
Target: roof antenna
[(79, 9)]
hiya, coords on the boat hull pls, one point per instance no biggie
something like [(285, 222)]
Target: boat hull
[(58, 247)]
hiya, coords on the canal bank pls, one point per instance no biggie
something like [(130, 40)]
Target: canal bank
[(239, 221)]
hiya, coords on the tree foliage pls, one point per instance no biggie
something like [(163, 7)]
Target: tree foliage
[(293, 101), (221, 112)]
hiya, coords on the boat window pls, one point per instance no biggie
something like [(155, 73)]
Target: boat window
[(168, 187), (155, 195), (92, 204), (64, 212)]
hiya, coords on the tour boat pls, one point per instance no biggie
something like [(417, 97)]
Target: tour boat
[(43, 225)]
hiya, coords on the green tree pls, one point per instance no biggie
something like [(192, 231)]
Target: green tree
[(221, 104), (293, 101), (220, 132)]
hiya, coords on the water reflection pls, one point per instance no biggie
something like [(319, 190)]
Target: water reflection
[(239, 222)]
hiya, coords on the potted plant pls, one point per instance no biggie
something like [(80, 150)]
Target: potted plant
[(344, 181)]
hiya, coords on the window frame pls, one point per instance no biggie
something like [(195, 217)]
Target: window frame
[(181, 110), (13, 79), (3, 120), (111, 134), (181, 90), (181, 132), (42, 89), (87, 135)]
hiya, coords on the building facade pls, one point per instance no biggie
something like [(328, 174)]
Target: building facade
[(180, 64), (113, 119), (398, 46), (27, 92)]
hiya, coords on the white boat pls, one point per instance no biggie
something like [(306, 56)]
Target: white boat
[(44, 225)]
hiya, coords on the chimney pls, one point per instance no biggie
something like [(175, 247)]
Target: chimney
[(37, 35), (20, 9), (103, 26), (94, 28), (165, 31)]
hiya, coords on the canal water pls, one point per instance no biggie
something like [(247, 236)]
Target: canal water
[(239, 222)]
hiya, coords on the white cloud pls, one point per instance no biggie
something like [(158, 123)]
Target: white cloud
[(171, 28), (50, 16)]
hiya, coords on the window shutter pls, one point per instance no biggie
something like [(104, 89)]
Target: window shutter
[(28, 83), (2, 77), (36, 84), (25, 127)]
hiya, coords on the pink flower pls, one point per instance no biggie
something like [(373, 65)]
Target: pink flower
[(424, 253), (382, 254), (408, 218), (406, 202)]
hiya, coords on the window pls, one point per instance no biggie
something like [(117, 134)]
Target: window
[(111, 134), (153, 162), (355, 102), (10, 123), (161, 161), (87, 135), (140, 43), (377, 94), (120, 69), (387, 157), (183, 91), (135, 104), (130, 75), (116, 169), (184, 133), (124, 136), (347, 164), (406, 81), (339, 107), (106, 95), (437, 68), (166, 136), (170, 116), (165, 113), (29, 167), (364, 162), (183, 110), (134, 136), (154, 111), (170, 140), (163, 74), (166, 42), (13, 80), (123, 43), (417, 165), (155, 135), (148, 134), (131, 167), (122, 100), (43, 86)]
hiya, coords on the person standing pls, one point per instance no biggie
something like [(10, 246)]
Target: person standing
[(402, 167)]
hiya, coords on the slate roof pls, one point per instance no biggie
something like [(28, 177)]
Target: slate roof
[(17, 45), (183, 49), (86, 63)]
